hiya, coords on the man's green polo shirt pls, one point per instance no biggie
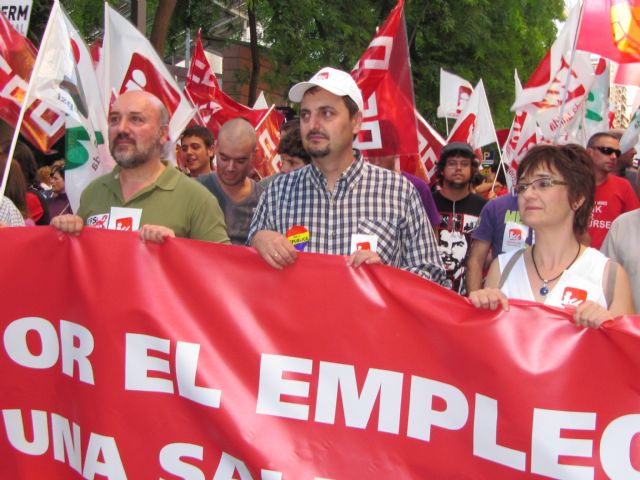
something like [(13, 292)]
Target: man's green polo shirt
[(173, 200)]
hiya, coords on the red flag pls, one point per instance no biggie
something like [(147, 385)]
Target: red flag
[(268, 131), (42, 126), (430, 144), (214, 106), (610, 28), (383, 74)]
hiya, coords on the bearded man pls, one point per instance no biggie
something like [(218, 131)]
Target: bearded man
[(143, 185)]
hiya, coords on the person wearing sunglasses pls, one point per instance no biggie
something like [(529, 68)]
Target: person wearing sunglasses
[(555, 188), (614, 195)]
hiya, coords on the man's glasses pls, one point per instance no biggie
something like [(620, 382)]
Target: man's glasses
[(544, 183), (608, 150), (451, 163)]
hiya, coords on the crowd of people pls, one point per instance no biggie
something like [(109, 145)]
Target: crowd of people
[(565, 235)]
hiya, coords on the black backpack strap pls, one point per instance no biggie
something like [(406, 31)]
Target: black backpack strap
[(509, 266)]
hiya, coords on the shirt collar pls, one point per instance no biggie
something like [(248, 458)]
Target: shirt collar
[(347, 179), (167, 180)]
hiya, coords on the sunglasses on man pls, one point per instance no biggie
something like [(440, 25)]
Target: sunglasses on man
[(608, 150)]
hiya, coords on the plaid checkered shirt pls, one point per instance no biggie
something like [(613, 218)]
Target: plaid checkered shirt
[(365, 200), (9, 214)]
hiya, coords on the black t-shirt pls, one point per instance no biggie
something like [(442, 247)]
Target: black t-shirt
[(459, 219)]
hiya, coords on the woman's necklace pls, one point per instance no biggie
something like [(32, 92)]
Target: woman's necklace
[(545, 283)]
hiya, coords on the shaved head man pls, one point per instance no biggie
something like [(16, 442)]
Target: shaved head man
[(237, 194)]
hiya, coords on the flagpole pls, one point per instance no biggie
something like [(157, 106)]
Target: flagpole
[(565, 93), (25, 104), (107, 58)]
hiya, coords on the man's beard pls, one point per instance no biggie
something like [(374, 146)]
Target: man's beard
[(133, 157), (457, 185), (319, 153), (130, 159)]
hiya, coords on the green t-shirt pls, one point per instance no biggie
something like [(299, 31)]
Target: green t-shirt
[(174, 201)]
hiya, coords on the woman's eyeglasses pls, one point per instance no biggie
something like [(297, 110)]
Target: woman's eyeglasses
[(543, 183)]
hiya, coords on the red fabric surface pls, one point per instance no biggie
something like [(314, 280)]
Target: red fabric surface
[(366, 323)]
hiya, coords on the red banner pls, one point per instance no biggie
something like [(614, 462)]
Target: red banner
[(193, 360)]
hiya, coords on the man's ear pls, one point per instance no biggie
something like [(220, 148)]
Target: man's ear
[(356, 121), (164, 134)]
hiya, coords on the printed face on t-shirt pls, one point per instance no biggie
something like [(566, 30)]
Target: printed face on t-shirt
[(453, 249)]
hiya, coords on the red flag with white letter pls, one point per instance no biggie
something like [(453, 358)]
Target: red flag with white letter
[(430, 144), (383, 74), (129, 62), (42, 125), (266, 161), (214, 106)]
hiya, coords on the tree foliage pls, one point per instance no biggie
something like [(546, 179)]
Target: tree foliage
[(479, 39), (305, 35)]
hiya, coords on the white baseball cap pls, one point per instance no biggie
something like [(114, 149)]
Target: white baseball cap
[(335, 81)]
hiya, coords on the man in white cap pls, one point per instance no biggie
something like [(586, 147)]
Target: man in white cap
[(339, 204)]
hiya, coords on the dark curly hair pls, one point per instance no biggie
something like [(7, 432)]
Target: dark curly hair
[(291, 142), (203, 133), (573, 164)]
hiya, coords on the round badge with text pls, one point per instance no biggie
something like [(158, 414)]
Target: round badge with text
[(299, 237)]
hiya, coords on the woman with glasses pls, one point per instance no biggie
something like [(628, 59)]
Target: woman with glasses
[(555, 188)]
